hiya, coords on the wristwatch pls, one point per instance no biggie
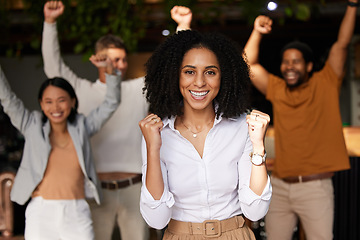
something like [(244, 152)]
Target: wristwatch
[(257, 159), (353, 4)]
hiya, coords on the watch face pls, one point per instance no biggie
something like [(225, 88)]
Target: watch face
[(257, 159)]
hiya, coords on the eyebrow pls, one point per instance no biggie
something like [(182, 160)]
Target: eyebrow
[(190, 66), (49, 98)]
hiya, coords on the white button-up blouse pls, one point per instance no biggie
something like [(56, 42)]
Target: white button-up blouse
[(215, 186)]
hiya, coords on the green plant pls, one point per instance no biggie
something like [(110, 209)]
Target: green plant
[(84, 21)]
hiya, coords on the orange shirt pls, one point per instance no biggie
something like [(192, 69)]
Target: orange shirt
[(308, 127), (63, 178)]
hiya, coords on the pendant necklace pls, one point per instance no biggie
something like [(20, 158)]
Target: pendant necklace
[(194, 134)]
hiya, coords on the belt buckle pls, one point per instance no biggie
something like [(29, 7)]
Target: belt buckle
[(209, 228), (300, 179), (115, 184)]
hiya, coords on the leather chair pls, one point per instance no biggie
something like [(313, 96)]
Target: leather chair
[(6, 206)]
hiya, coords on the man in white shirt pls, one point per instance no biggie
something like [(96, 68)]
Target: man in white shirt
[(117, 146)]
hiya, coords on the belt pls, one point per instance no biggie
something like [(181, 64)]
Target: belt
[(208, 228), (300, 179), (116, 184)]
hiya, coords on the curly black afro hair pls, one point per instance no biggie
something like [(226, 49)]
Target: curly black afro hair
[(163, 71)]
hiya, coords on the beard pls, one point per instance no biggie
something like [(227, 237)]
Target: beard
[(293, 84)]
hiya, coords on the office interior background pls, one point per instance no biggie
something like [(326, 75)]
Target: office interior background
[(144, 24)]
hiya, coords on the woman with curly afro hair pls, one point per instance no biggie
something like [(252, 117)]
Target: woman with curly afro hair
[(203, 156)]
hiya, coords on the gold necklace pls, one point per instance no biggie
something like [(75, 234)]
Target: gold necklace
[(194, 134)]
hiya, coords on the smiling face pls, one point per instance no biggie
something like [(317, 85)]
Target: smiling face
[(56, 104), (293, 67), (199, 78)]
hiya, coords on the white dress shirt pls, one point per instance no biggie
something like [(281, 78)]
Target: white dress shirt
[(215, 186)]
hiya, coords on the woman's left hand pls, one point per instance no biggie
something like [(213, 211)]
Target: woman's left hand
[(257, 123)]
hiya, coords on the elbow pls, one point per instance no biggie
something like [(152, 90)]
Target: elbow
[(157, 226), (257, 210), (154, 220), (254, 216), (48, 71), (156, 216)]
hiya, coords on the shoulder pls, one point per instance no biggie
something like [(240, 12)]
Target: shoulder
[(35, 117), (80, 119), (133, 87), (233, 122), (326, 74), (276, 80), (326, 70), (275, 84), (134, 81)]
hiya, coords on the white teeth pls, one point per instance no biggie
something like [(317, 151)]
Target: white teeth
[(56, 114), (290, 74), (199, 94)]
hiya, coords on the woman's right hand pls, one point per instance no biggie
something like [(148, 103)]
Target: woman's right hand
[(151, 127)]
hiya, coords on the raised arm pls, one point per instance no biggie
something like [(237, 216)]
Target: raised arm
[(98, 117), (259, 75), (338, 51), (258, 123), (13, 106), (151, 127), (54, 65), (254, 183), (156, 201), (182, 16)]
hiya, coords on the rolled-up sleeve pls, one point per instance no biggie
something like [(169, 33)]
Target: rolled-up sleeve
[(157, 213), (253, 206)]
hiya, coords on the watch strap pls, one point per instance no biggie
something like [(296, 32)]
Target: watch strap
[(353, 4)]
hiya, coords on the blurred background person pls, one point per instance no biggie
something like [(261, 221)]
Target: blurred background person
[(309, 144)]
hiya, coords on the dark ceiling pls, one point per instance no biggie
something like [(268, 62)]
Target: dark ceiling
[(320, 29)]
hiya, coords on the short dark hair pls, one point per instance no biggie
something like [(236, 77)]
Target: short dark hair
[(64, 85), (109, 41), (302, 47), (163, 69)]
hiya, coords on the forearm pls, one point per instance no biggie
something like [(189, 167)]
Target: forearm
[(347, 26), (12, 105), (255, 197), (50, 50), (101, 114), (154, 179), (54, 65), (258, 177), (339, 50), (252, 47)]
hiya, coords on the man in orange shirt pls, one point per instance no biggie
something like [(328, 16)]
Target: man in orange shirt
[(309, 144)]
